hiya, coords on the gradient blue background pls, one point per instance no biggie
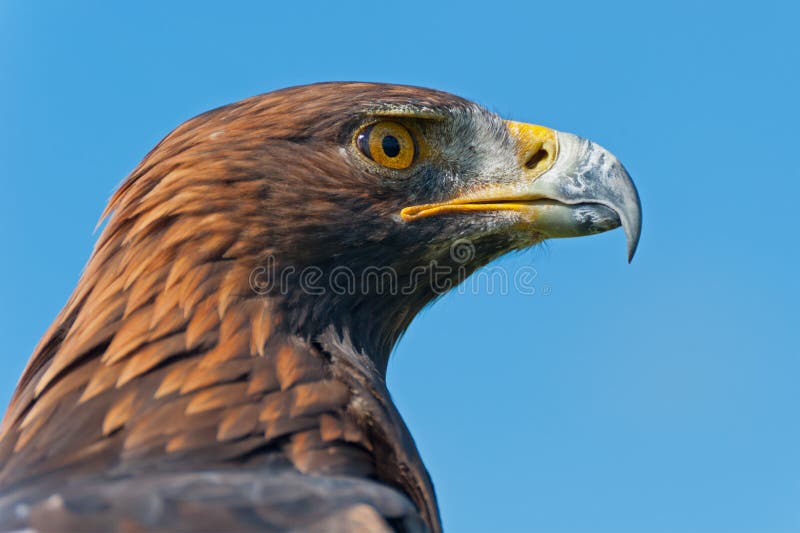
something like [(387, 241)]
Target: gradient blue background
[(657, 397)]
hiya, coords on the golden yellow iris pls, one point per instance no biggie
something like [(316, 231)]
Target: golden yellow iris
[(388, 143)]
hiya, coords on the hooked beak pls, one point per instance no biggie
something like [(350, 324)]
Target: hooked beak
[(564, 186)]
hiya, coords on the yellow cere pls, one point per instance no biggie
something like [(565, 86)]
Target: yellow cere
[(537, 146)]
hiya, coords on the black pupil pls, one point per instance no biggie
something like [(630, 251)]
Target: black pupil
[(390, 145)]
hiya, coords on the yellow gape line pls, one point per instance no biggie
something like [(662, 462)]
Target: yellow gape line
[(537, 151)]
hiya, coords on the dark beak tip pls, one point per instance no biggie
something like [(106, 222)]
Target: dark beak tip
[(633, 245), (633, 230)]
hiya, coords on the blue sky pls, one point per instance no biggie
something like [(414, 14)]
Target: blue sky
[(660, 396)]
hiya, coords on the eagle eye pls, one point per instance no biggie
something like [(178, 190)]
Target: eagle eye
[(388, 143)]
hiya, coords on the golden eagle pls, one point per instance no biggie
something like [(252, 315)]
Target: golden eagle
[(221, 363)]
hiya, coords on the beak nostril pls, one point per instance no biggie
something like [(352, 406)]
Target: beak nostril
[(538, 156)]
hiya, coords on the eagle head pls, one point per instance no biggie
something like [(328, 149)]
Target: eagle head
[(353, 205), (199, 337)]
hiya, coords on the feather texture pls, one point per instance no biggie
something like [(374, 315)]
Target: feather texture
[(169, 392)]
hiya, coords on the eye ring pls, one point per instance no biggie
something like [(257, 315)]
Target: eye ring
[(387, 143)]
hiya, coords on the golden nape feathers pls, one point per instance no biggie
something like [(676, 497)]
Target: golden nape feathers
[(221, 363)]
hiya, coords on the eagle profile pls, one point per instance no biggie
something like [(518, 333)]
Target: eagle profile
[(221, 363)]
